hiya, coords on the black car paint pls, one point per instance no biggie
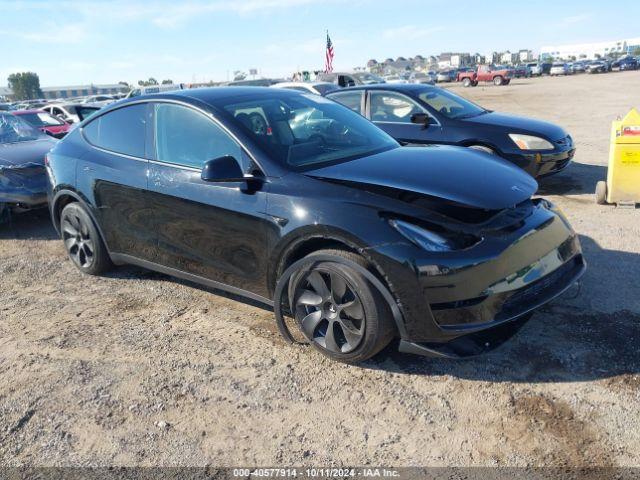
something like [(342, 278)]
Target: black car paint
[(241, 236), (490, 129)]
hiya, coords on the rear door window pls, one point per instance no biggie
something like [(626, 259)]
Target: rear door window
[(120, 131)]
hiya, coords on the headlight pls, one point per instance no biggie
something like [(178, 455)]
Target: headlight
[(529, 142), (431, 241)]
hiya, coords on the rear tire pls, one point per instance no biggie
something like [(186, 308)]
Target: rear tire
[(82, 241), (466, 82), (474, 83), (497, 81), (601, 193), (337, 308)]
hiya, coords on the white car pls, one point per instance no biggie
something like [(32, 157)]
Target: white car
[(394, 79), (317, 88), (535, 68), (71, 112), (559, 69)]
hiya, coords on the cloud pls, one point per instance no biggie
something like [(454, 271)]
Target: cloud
[(61, 34), (410, 32), (574, 19), (165, 14)]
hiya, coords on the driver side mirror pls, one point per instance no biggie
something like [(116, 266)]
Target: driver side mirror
[(422, 119), (222, 169)]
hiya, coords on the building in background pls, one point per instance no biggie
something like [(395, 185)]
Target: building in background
[(83, 90), (525, 56), (590, 50)]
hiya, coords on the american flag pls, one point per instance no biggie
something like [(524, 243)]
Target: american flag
[(328, 60)]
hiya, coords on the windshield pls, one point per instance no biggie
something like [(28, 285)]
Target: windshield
[(368, 78), (304, 131), (450, 105), (13, 130), (324, 88), (42, 119)]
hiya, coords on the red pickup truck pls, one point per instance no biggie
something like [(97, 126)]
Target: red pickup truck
[(485, 73)]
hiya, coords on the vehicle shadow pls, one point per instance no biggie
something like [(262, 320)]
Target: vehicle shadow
[(577, 178), (31, 225), (565, 341)]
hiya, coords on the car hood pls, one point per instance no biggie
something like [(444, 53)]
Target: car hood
[(467, 177), (19, 153), (517, 124)]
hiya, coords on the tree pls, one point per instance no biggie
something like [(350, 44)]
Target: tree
[(146, 83), (636, 51), (238, 75), (167, 82), (25, 85), (124, 83)]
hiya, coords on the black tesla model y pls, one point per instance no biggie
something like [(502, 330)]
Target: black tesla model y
[(298, 202)]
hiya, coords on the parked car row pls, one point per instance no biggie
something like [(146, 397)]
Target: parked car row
[(296, 201)]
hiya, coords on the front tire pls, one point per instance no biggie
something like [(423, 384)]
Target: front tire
[(601, 193), (466, 82), (82, 241), (497, 81), (339, 310), (482, 148)]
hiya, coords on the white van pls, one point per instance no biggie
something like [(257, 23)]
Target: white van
[(136, 92)]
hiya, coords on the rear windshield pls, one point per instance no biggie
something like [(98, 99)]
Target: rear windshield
[(15, 130)]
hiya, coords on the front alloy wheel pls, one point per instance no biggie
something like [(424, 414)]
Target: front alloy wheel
[(341, 313), (329, 312)]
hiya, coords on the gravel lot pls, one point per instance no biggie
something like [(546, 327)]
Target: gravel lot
[(137, 368)]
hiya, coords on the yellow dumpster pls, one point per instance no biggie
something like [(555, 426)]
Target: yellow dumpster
[(623, 176)]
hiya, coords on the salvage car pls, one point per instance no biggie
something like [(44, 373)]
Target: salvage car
[(422, 114), (45, 122), (22, 173), (321, 215)]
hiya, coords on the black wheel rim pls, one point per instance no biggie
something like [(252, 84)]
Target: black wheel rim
[(329, 312), (77, 240)]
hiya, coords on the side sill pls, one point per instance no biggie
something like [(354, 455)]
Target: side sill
[(121, 259)]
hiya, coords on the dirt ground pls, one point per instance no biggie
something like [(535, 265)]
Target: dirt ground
[(137, 368)]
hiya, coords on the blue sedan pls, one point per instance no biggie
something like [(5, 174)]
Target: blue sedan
[(423, 114)]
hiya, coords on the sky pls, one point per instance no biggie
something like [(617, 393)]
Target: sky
[(70, 42)]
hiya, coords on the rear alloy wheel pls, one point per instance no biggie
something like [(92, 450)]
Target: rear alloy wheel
[(82, 241), (498, 80), (339, 311)]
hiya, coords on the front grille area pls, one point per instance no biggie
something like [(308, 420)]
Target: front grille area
[(539, 291), (564, 142)]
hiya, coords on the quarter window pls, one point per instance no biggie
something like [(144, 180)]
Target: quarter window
[(352, 100), (393, 107), (186, 137), (120, 131)]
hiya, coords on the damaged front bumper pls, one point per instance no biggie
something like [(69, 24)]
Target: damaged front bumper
[(23, 186), (463, 303)]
